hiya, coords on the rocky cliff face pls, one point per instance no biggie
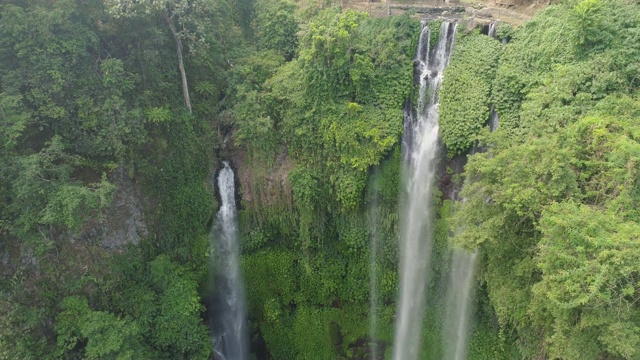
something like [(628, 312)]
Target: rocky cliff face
[(123, 222), (473, 12)]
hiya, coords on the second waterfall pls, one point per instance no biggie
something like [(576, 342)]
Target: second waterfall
[(420, 148), (229, 323)]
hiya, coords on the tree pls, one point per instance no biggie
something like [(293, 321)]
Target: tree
[(276, 27), (171, 12), (105, 336), (163, 299), (589, 260)]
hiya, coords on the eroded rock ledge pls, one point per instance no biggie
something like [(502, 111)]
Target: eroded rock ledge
[(513, 12)]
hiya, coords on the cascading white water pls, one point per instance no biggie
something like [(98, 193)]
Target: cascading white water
[(459, 304), (420, 146), (229, 326), (492, 29)]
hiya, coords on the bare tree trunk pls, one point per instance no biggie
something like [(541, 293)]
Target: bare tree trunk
[(185, 86), (388, 8)]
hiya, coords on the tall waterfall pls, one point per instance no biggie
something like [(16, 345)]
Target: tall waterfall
[(420, 145), (229, 326)]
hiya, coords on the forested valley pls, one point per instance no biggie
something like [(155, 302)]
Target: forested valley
[(120, 120)]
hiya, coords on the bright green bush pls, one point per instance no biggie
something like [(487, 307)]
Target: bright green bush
[(276, 27), (465, 92), (104, 334), (270, 279)]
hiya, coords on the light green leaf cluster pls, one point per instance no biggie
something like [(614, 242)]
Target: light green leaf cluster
[(106, 336), (589, 261), (276, 27), (465, 92)]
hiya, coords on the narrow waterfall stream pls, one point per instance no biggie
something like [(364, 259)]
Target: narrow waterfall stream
[(373, 268), (460, 288), (229, 324), (460, 292), (494, 119), (420, 146), (492, 29)]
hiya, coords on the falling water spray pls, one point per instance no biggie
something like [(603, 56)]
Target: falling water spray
[(420, 147), (229, 322)]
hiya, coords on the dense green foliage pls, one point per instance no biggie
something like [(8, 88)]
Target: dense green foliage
[(337, 106), (83, 93), (87, 89), (553, 203), (337, 110), (463, 113), (307, 104)]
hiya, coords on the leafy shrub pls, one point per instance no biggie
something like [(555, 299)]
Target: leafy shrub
[(464, 97)]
